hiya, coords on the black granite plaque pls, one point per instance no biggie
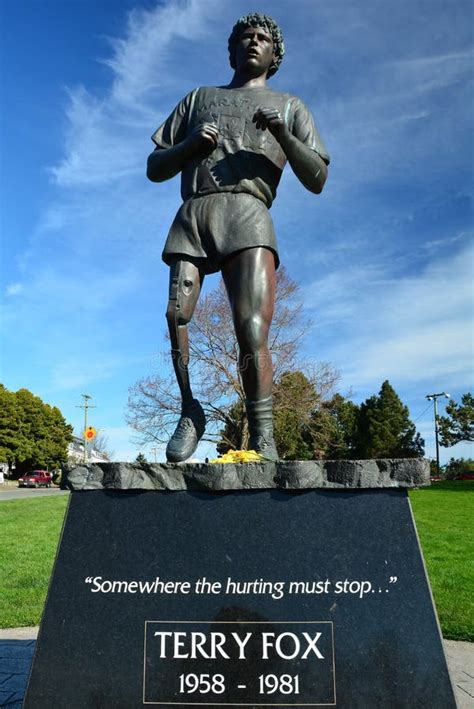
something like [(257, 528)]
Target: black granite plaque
[(265, 598), (239, 662)]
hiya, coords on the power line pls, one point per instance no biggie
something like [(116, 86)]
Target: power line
[(422, 413)]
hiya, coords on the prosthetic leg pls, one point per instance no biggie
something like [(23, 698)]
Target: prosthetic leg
[(185, 286)]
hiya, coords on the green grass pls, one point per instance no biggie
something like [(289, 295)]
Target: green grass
[(29, 533), (444, 513)]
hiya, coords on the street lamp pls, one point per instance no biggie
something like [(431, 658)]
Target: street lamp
[(434, 398)]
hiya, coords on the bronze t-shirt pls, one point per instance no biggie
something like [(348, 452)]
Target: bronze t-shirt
[(246, 159)]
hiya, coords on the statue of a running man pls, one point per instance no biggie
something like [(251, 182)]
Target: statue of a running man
[(230, 144)]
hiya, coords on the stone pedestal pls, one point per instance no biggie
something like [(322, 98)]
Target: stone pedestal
[(289, 584)]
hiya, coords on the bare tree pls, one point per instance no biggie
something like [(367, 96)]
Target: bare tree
[(154, 403), (102, 446)]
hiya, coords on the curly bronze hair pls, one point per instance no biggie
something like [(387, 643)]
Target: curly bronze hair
[(257, 19)]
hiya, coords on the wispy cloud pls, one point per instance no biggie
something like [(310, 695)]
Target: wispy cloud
[(15, 289), (412, 328), (435, 72), (105, 134)]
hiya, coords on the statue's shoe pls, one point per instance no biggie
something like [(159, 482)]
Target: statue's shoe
[(265, 445), (188, 433)]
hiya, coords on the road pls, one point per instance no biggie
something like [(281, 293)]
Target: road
[(19, 493)]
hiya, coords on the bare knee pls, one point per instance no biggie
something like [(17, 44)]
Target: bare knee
[(252, 333)]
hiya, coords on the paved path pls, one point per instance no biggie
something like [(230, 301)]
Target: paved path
[(17, 647), (22, 493), (461, 668)]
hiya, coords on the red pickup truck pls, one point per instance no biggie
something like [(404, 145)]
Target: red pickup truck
[(37, 478)]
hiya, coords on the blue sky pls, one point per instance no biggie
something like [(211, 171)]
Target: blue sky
[(384, 255)]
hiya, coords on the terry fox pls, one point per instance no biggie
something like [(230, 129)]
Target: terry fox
[(230, 144)]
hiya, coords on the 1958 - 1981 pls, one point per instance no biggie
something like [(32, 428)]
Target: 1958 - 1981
[(215, 684)]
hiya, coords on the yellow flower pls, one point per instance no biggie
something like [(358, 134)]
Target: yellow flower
[(238, 457)]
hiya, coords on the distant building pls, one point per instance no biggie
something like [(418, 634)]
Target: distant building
[(75, 452)]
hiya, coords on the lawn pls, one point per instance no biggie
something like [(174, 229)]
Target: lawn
[(444, 513), (29, 533)]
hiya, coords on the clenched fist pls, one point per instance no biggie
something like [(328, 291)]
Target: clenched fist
[(203, 139), (272, 119)]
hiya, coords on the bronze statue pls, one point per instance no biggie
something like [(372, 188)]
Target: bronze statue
[(230, 144)]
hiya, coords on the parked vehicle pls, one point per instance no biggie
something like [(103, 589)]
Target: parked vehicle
[(37, 478)]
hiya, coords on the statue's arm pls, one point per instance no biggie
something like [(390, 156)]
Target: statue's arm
[(308, 166), (165, 163)]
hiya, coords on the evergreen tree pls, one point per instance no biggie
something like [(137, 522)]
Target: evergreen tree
[(384, 429), (295, 398), (341, 416), (458, 425)]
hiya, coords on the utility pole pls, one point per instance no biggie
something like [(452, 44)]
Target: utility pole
[(434, 398), (86, 406), (154, 451)]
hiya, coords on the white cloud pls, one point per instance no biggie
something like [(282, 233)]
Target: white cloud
[(409, 329), (15, 289), (441, 244), (428, 73), (106, 136), (139, 60)]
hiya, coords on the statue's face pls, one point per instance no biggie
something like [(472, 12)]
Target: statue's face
[(254, 51)]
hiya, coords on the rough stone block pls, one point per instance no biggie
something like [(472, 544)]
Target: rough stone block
[(285, 475)]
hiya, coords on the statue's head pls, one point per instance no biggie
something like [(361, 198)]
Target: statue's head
[(257, 19)]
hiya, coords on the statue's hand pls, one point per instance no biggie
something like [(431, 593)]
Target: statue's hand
[(203, 139), (272, 119)]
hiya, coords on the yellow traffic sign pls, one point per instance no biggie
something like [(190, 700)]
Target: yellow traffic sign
[(90, 433)]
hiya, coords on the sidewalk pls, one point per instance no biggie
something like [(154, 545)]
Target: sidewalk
[(460, 658), (17, 646)]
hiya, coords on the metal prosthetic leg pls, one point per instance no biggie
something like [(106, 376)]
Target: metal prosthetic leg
[(260, 420), (184, 290)]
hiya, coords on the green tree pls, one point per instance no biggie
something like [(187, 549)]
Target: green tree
[(15, 443), (458, 466), (295, 398), (384, 429), (33, 434), (458, 425), (307, 426), (339, 417)]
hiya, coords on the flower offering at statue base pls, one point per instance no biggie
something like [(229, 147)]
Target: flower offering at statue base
[(239, 457)]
